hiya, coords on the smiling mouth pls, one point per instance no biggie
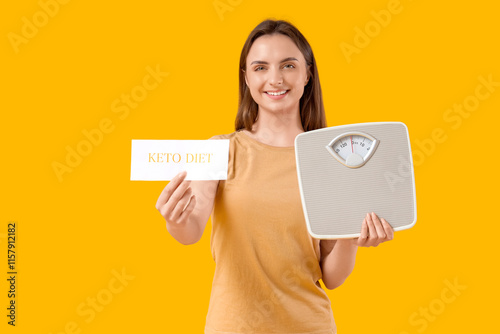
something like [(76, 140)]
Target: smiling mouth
[(277, 93)]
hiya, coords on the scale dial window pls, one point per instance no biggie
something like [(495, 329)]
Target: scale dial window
[(353, 149)]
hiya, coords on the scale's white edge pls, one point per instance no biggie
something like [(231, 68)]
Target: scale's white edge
[(356, 235)]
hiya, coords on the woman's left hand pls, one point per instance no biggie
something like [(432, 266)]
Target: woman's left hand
[(374, 231)]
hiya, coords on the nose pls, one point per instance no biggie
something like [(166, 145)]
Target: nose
[(275, 77)]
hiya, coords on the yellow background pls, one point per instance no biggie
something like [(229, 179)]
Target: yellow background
[(73, 234)]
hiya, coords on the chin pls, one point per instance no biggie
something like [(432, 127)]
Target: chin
[(276, 109)]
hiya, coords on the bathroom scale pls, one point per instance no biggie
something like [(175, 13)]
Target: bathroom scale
[(347, 171)]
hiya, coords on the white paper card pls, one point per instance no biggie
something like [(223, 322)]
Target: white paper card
[(162, 160)]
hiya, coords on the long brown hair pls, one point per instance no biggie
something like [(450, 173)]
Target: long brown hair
[(312, 111)]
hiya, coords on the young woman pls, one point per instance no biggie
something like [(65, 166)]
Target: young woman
[(267, 265)]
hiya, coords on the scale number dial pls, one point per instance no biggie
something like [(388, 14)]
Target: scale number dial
[(353, 149)]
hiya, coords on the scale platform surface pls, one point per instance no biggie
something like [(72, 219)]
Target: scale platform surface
[(347, 171)]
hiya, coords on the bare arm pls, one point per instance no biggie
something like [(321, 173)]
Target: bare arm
[(338, 256), (337, 261), (186, 207)]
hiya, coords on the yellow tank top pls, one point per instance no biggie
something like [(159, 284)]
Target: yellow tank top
[(267, 265)]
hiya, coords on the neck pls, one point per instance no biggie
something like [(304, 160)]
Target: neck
[(277, 128)]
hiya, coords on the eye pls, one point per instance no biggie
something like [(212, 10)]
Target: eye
[(289, 66), (259, 68)]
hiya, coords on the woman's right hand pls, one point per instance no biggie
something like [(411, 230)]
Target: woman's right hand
[(177, 201)]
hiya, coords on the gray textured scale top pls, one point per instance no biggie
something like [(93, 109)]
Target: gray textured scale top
[(350, 170)]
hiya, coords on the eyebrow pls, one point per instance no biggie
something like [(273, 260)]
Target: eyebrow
[(265, 62)]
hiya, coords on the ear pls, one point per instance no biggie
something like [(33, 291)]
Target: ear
[(246, 80), (308, 75)]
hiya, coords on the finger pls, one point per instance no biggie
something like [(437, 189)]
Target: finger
[(175, 198), (372, 231), (189, 208), (169, 189), (364, 231), (181, 204), (389, 231), (378, 227), (363, 235)]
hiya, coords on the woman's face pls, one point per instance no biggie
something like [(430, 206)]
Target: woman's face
[(276, 73)]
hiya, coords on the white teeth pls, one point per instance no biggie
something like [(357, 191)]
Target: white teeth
[(277, 93)]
